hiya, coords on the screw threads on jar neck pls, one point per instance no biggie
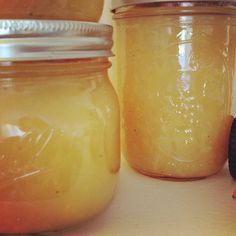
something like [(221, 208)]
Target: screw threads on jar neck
[(121, 3), (54, 68), (176, 8)]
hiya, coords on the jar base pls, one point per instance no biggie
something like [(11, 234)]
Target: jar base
[(56, 231), (167, 177)]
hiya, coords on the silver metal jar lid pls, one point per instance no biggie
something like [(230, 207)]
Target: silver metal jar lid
[(121, 3), (32, 40)]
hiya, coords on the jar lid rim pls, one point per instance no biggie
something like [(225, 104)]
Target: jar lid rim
[(121, 3), (53, 39)]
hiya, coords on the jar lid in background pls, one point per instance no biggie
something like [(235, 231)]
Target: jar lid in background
[(27, 40), (122, 3)]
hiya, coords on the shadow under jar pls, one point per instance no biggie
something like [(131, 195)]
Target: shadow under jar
[(175, 65), (59, 125)]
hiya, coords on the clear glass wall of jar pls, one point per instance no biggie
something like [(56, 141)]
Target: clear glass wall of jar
[(59, 126), (175, 65)]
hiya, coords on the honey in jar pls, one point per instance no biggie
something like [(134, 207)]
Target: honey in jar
[(59, 125), (175, 65)]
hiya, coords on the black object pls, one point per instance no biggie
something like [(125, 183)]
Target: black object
[(232, 150)]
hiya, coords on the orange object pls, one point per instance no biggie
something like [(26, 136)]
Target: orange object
[(234, 194)]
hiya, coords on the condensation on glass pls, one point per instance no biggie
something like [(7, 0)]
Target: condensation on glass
[(59, 125), (175, 65)]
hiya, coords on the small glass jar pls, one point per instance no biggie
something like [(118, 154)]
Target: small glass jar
[(59, 124), (175, 66), (81, 10)]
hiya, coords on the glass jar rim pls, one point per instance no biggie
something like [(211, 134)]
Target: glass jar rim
[(123, 3), (30, 40)]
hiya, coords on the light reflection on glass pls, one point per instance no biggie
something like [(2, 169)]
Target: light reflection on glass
[(9, 130)]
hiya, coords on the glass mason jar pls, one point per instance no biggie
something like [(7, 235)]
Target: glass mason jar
[(59, 124), (175, 66), (52, 9)]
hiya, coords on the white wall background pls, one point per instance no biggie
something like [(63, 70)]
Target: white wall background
[(106, 17)]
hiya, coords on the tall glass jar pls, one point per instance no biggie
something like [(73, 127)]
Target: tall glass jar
[(175, 65), (59, 124)]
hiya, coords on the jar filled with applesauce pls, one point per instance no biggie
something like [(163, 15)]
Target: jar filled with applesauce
[(81, 10), (59, 124), (175, 64)]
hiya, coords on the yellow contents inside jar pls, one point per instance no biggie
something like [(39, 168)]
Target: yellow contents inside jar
[(59, 144), (175, 71), (82, 10)]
